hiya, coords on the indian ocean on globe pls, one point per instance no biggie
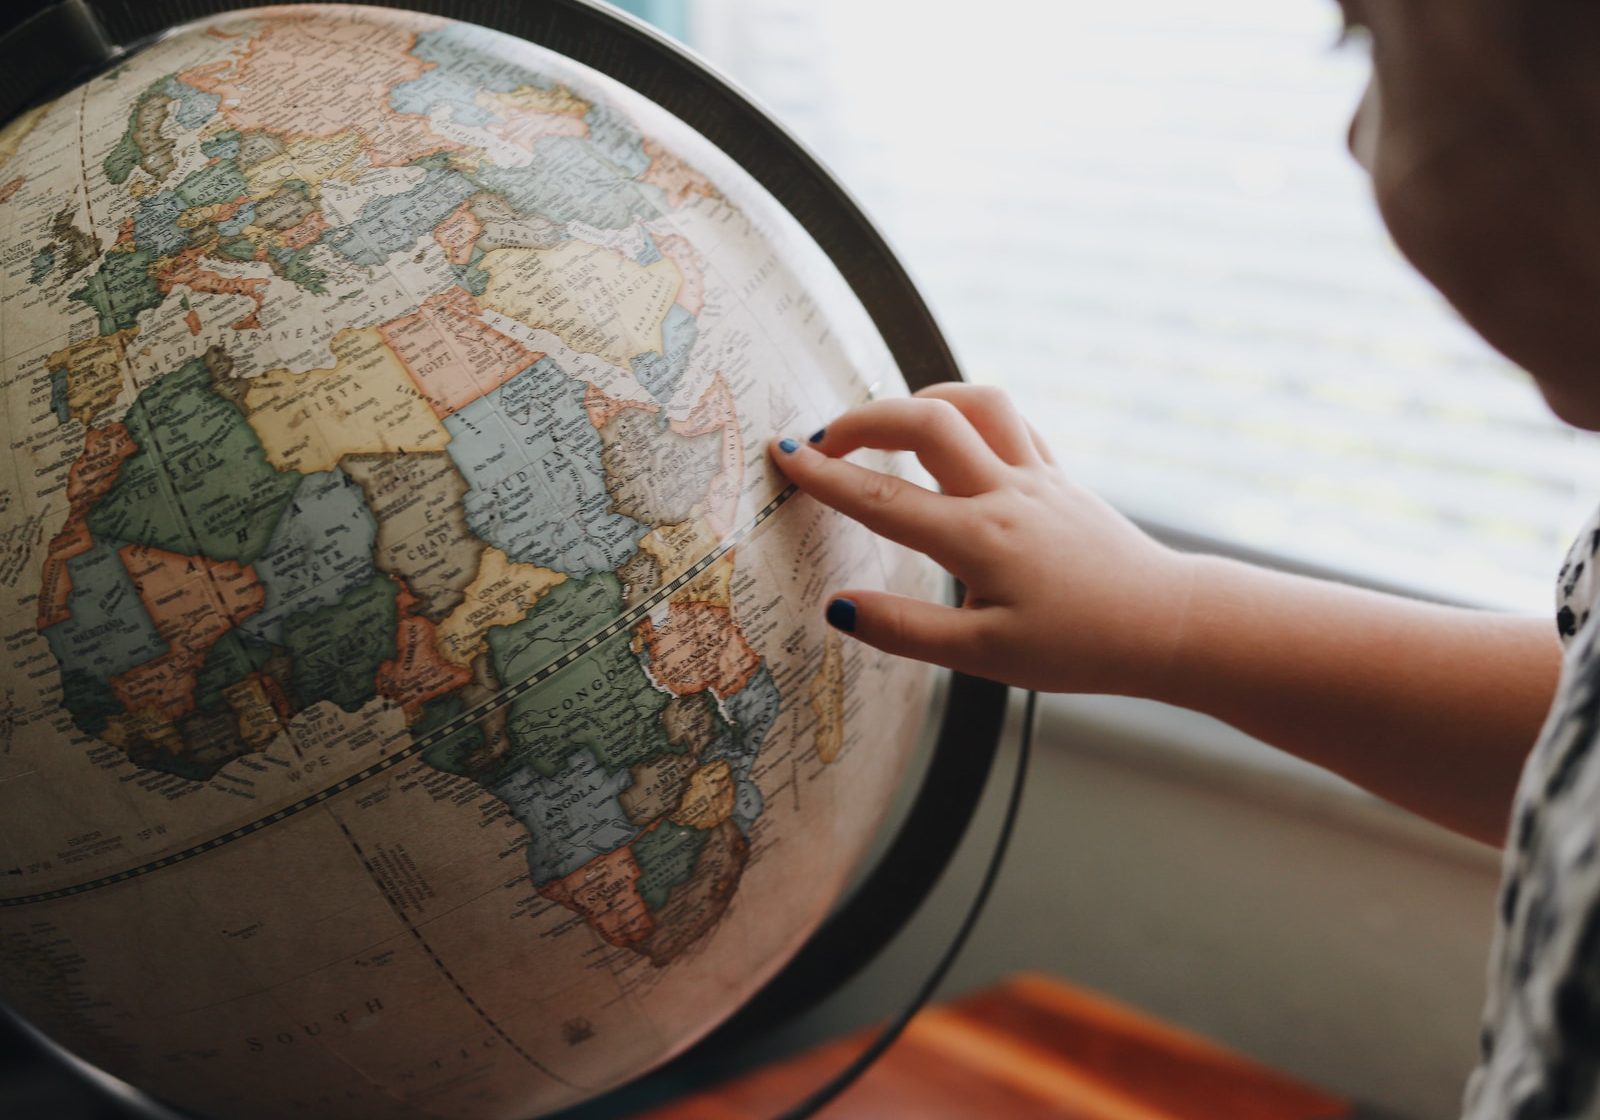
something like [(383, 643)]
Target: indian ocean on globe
[(415, 701)]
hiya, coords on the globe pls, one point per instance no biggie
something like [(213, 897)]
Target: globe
[(416, 700)]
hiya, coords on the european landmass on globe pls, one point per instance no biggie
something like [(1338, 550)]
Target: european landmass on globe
[(414, 697)]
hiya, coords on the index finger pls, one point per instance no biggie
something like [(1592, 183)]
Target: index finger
[(891, 507), (932, 430)]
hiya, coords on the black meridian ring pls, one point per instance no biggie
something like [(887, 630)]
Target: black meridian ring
[(62, 43)]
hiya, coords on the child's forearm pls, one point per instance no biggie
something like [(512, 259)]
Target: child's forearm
[(1431, 707)]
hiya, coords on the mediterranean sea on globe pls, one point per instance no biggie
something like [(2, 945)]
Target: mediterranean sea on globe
[(415, 700)]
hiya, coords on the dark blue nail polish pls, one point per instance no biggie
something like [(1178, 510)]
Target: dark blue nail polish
[(788, 446), (841, 615), (816, 436)]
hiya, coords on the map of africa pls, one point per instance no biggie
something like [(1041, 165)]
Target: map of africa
[(414, 698)]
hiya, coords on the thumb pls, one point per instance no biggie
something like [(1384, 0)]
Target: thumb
[(907, 627)]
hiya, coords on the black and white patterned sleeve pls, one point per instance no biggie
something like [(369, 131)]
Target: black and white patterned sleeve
[(1540, 1043)]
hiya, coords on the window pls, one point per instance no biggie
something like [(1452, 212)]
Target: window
[(1140, 218)]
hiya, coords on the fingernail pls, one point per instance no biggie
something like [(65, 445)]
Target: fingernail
[(841, 615), (788, 446), (816, 436)]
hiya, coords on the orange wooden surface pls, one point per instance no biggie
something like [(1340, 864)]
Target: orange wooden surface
[(1031, 1047)]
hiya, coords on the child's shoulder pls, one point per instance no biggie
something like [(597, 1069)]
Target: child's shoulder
[(1577, 585)]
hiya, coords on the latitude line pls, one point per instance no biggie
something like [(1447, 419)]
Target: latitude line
[(444, 731)]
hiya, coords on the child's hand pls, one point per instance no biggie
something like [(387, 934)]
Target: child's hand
[(1431, 707), (1063, 592)]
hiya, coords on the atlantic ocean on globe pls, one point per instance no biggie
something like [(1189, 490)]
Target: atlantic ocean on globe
[(414, 698)]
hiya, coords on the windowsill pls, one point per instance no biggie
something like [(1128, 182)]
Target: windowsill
[(1188, 540)]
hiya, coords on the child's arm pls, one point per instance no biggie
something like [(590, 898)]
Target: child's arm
[(1432, 707)]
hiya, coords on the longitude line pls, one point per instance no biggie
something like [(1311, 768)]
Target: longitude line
[(438, 962)]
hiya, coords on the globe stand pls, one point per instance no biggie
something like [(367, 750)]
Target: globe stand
[(58, 44)]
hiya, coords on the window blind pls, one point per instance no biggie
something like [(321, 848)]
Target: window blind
[(1141, 219)]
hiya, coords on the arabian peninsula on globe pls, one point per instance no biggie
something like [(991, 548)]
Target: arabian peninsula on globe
[(414, 698)]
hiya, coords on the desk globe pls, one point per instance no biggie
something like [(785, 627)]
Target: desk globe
[(416, 699)]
